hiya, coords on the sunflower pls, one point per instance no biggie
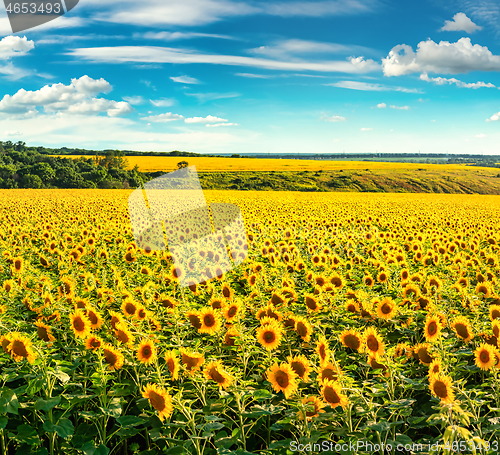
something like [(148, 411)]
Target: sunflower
[(373, 342), (352, 306), (494, 312), (159, 399), (495, 327), (270, 312), (146, 352), (194, 319), (411, 291), (303, 328), (210, 321), (283, 378), (232, 310), (9, 285), (328, 371), (129, 308), (173, 364), (368, 281), (216, 303), (230, 336), (142, 313), (484, 289), (332, 394), (435, 368), (215, 372), (485, 356), (5, 341), (167, 302), (352, 339), (17, 265), (95, 318), (269, 335), (192, 361), (383, 277), (93, 342), (312, 303), (422, 352), (301, 366), (116, 318), (80, 324), (312, 407), (113, 357), (373, 362), (129, 257), (322, 349), (227, 292), (433, 327), (44, 332), (386, 308), (461, 326), (20, 348), (123, 334), (337, 281), (277, 299), (441, 387)]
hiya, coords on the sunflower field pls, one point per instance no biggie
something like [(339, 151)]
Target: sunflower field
[(355, 317)]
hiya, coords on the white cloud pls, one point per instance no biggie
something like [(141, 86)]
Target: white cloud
[(163, 118), (460, 23), (207, 119), (365, 86), (319, 8), (76, 98), (458, 83), (366, 129), (255, 76), (149, 54), (404, 108), (494, 117), (134, 99), (382, 105), (157, 13), (12, 46), (203, 97), (12, 133), (445, 57), (185, 80), (284, 49), (174, 36), (215, 125), (334, 118), (480, 135), (163, 102)]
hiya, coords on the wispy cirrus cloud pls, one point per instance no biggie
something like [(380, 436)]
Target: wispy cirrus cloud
[(366, 86), (149, 54)]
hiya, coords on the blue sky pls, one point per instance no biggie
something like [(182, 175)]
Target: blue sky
[(220, 76)]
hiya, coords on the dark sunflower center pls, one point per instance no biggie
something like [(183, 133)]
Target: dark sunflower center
[(157, 401), (432, 329), (269, 336), (79, 325), (282, 379), (110, 357), (372, 343), (19, 349), (462, 330), (331, 395), (352, 342), (299, 368), (440, 389), (209, 320)]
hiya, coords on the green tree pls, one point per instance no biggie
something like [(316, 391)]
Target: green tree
[(182, 164)]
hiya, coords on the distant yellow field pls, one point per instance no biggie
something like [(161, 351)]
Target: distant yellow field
[(167, 163)]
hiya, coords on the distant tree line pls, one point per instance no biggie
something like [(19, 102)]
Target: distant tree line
[(27, 167)]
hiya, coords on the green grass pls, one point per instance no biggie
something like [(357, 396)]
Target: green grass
[(471, 180)]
